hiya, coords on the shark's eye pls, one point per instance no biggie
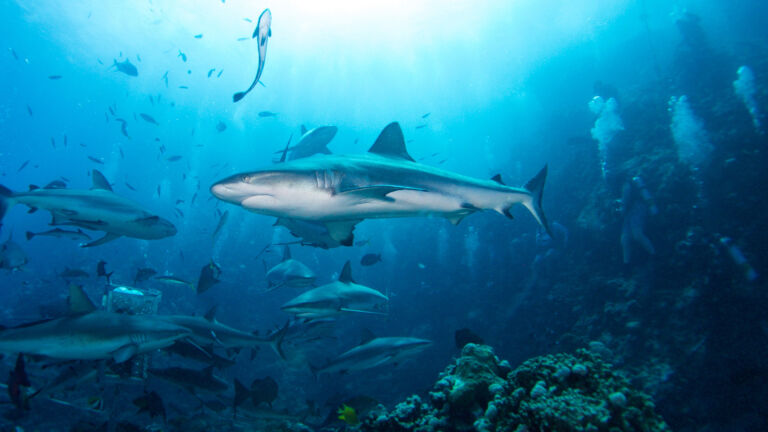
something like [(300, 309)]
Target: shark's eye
[(245, 178)]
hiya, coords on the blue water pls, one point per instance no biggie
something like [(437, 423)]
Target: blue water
[(507, 87)]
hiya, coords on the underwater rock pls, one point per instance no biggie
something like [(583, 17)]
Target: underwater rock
[(559, 392)]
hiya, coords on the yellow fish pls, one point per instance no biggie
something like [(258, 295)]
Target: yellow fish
[(348, 415)]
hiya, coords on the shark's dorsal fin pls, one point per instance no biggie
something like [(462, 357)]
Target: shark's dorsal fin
[(99, 181), (303, 129), (211, 314), (346, 274), (391, 143), (367, 336), (33, 187), (497, 179), (286, 253), (78, 301)]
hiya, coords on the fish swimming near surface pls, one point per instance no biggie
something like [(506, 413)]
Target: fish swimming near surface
[(336, 298), (174, 158), (183, 56), (125, 67), (218, 75), (376, 352), (61, 233), (23, 165), (173, 280), (210, 72), (12, 256), (96, 160), (221, 126), (290, 273), (165, 78), (370, 259), (341, 191), (149, 119), (263, 32), (198, 36), (101, 270), (54, 77), (209, 276), (123, 127), (29, 110), (267, 114), (97, 209)]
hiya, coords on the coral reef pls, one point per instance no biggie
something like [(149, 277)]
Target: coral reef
[(560, 392)]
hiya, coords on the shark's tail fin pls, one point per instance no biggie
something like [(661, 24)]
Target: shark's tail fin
[(276, 341), (535, 187), (5, 196)]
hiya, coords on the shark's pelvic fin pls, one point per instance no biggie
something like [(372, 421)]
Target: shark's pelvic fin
[(99, 181), (108, 237), (125, 352), (391, 143), (379, 192)]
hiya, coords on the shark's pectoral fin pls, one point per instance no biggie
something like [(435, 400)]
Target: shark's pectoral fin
[(108, 237), (375, 192), (362, 311), (125, 352), (342, 231)]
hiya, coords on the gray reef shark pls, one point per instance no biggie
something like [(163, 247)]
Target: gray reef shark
[(335, 298), (92, 336), (263, 32), (312, 142), (98, 209), (290, 273), (374, 352), (341, 191)]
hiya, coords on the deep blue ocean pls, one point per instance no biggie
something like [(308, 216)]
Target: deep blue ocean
[(649, 114)]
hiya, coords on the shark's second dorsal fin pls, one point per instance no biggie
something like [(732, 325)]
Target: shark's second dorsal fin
[(78, 301), (303, 129), (211, 314), (497, 179), (346, 274), (286, 253), (99, 181), (391, 143), (367, 336)]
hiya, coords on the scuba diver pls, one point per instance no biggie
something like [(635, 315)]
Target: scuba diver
[(637, 205)]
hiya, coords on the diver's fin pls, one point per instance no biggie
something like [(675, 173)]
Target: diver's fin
[(108, 237), (391, 143), (99, 181), (342, 231), (78, 301), (346, 274)]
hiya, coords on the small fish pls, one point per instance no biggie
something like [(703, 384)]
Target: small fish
[(173, 280), (122, 155), (263, 32), (65, 141), (138, 58), (13, 53), (199, 36), (60, 233), (173, 158), (348, 415), (183, 56), (421, 126), (370, 259), (149, 119), (221, 126), (210, 72), (267, 114), (165, 78), (99, 60), (242, 39), (54, 77), (194, 196), (248, 20), (159, 190), (123, 127), (179, 212), (24, 165), (101, 270), (426, 115), (151, 100), (209, 276), (219, 74), (29, 110), (111, 111), (222, 221), (97, 160), (183, 87), (130, 187), (126, 67)]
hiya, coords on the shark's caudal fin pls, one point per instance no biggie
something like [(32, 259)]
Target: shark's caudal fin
[(5, 196), (276, 341), (535, 187)]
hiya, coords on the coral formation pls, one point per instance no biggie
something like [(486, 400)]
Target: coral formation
[(560, 392)]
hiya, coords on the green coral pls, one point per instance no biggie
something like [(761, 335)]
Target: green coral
[(559, 392)]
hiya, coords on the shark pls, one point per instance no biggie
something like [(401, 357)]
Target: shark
[(290, 273), (336, 298), (97, 209), (92, 336), (342, 190), (373, 353), (263, 32), (87, 333), (312, 142)]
